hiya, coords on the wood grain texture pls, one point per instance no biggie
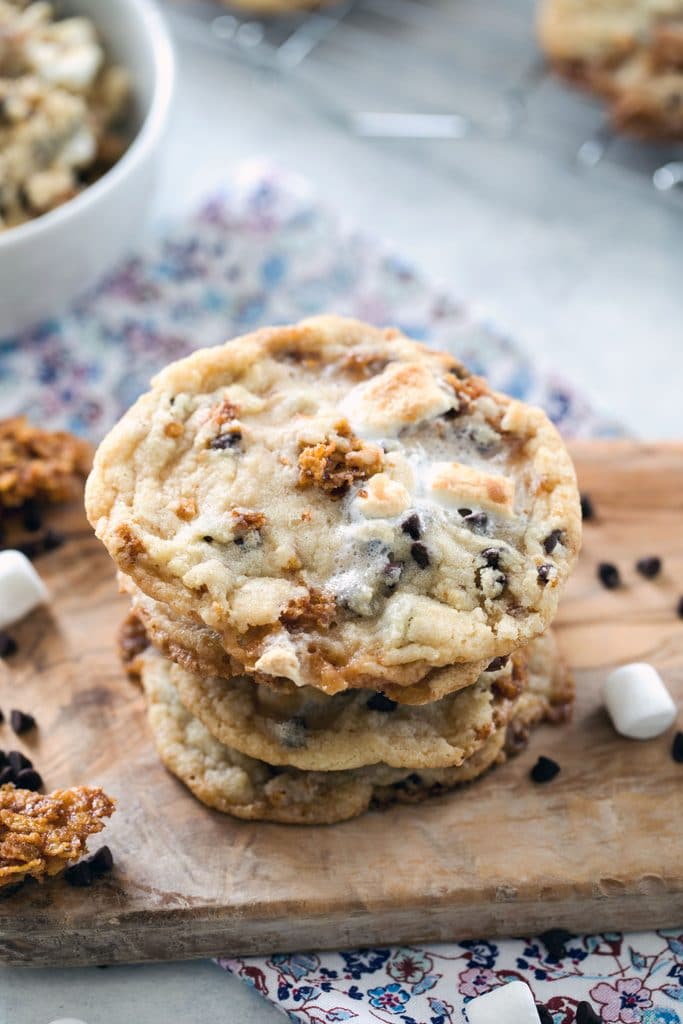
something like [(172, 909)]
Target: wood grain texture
[(598, 849)]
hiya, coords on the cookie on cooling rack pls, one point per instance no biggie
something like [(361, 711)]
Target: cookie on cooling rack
[(630, 52), (339, 502)]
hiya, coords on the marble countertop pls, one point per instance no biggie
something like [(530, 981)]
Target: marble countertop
[(583, 271)]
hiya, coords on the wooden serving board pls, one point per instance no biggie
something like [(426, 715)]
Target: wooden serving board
[(599, 848)]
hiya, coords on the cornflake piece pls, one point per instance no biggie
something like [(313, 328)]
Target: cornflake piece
[(21, 588), (40, 835), (508, 1004), (638, 702)]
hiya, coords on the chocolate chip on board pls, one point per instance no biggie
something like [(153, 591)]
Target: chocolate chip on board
[(6, 775), (677, 748), (587, 507), (21, 721), (28, 778), (544, 770), (608, 574), (679, 608), (8, 645), (649, 567), (18, 761), (90, 868)]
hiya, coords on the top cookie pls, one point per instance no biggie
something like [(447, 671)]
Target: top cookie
[(341, 504), (630, 51)]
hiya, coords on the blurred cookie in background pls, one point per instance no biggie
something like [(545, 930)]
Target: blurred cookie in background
[(628, 51)]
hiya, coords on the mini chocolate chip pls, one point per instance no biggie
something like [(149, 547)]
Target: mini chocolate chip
[(239, 541), (32, 516), (6, 775), (90, 868), (412, 526), (679, 608), (491, 556), (207, 539), (21, 721), (378, 702), (464, 512), (676, 748), (551, 541), (544, 573), (53, 540), (420, 554), (392, 573), (649, 567), (544, 770), (497, 664), (231, 439), (2, 719), (18, 761), (608, 574), (79, 875), (477, 521), (555, 941), (585, 1014), (8, 645), (101, 861), (28, 778), (451, 414), (544, 1016), (587, 508)]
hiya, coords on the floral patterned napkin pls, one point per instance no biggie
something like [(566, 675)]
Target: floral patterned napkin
[(265, 251)]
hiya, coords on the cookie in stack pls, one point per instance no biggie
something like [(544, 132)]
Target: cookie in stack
[(345, 552)]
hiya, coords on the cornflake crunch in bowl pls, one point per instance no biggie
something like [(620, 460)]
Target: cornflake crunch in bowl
[(63, 109)]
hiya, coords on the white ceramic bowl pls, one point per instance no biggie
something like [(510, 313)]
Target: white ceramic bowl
[(47, 262)]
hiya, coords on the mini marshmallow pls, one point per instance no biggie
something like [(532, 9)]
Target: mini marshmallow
[(509, 1004), (638, 702), (21, 588)]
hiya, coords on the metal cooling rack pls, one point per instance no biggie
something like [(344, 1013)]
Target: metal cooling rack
[(457, 71)]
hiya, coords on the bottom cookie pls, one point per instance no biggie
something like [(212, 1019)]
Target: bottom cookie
[(244, 787)]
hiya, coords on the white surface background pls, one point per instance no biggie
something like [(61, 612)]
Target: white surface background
[(587, 277)]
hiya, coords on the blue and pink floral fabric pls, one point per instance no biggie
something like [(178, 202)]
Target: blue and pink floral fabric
[(627, 979)]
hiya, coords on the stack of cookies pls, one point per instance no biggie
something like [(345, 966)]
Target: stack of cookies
[(343, 553)]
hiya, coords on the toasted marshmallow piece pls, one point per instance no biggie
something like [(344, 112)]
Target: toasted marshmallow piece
[(21, 588), (401, 396), (638, 702), (509, 1004), (382, 497), (455, 485)]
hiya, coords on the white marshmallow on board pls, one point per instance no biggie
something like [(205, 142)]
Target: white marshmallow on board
[(509, 1004), (21, 588), (638, 702)]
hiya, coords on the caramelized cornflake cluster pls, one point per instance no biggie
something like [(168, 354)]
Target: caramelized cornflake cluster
[(314, 611), (332, 465), (39, 464), (40, 835)]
